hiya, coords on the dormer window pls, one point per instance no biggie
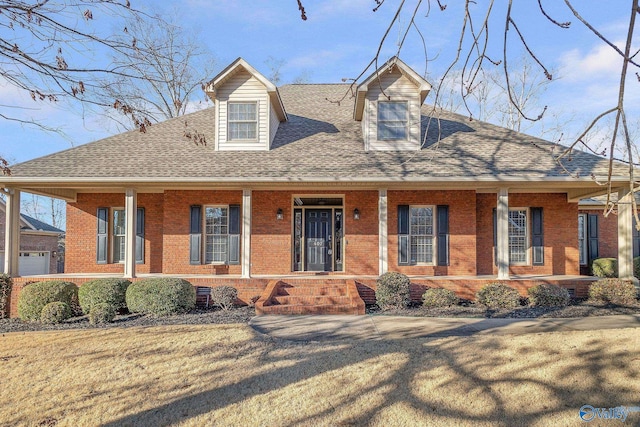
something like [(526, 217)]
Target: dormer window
[(393, 120), (243, 121)]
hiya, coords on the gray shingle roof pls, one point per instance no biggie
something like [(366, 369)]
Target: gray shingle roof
[(41, 226), (320, 140)]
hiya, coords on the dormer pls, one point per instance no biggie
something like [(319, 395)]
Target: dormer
[(248, 108), (388, 105)]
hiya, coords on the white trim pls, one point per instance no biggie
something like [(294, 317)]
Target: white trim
[(130, 214), (383, 240), (246, 233), (502, 233)]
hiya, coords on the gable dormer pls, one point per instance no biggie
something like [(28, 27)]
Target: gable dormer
[(388, 105), (248, 108)]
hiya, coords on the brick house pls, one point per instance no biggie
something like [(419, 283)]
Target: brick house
[(329, 183), (38, 245)]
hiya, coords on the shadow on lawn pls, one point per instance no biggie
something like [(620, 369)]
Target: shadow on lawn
[(439, 381)]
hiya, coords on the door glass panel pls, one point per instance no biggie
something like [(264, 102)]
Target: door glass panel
[(297, 240), (338, 240)]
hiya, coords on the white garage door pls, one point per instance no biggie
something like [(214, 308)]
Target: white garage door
[(30, 263)]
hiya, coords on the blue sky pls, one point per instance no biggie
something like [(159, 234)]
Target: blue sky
[(339, 39)]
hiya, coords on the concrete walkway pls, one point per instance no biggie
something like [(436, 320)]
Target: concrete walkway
[(337, 327)]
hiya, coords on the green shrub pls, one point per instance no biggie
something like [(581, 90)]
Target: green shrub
[(224, 296), (5, 289), (605, 267), (498, 295), (614, 291), (393, 291), (55, 312), (36, 295), (161, 296), (109, 291), (101, 313), (546, 295), (437, 297)]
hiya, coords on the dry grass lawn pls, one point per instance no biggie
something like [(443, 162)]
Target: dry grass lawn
[(229, 375)]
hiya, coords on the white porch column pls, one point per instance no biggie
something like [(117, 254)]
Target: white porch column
[(383, 242), (130, 213), (625, 236), (12, 233), (246, 233), (502, 234)]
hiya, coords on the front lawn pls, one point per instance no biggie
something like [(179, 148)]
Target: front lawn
[(194, 375)]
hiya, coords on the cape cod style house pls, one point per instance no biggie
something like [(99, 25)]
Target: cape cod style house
[(321, 186)]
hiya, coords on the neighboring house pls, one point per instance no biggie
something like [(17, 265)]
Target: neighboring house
[(38, 245), (597, 234), (332, 179)]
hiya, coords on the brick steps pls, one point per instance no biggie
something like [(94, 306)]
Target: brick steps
[(310, 297)]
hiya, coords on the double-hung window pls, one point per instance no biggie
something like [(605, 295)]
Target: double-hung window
[(243, 121), (111, 238), (421, 234), (119, 226), (216, 234), (518, 236), (393, 120)]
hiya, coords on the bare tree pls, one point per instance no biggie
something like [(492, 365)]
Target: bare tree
[(45, 209), (54, 52), (164, 76)]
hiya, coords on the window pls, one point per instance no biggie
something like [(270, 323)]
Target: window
[(518, 236), (392, 120), (216, 232), (421, 233), (243, 121), (119, 225), (582, 242)]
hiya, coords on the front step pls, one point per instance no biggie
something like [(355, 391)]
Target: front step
[(310, 297)]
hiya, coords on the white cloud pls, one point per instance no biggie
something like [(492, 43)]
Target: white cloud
[(600, 62)]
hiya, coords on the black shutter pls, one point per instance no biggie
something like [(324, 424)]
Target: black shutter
[(234, 234), (495, 236), (636, 240), (443, 234), (103, 235), (195, 236), (592, 232), (404, 242), (140, 236), (537, 236)]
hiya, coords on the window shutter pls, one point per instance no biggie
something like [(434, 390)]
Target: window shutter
[(195, 236), (495, 236), (636, 240), (234, 234), (404, 241), (592, 232), (537, 236), (102, 235), (443, 234), (140, 236)]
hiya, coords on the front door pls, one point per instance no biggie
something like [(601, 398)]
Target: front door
[(318, 225)]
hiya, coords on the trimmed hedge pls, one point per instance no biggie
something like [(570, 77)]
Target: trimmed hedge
[(101, 313), (546, 295), (224, 296), (55, 312), (5, 289), (109, 291), (393, 291), (161, 296), (437, 297), (604, 267), (615, 291), (498, 295), (35, 296)]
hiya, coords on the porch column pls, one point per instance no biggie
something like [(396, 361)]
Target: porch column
[(502, 234), (12, 233), (130, 213), (246, 233), (383, 243), (625, 236)]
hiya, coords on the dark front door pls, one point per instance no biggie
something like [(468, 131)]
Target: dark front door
[(318, 239)]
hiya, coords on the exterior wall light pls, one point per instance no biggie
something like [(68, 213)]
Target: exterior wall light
[(279, 214), (356, 214)]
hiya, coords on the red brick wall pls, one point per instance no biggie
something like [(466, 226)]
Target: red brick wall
[(560, 233), (80, 250), (462, 230), (177, 216), (271, 239)]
